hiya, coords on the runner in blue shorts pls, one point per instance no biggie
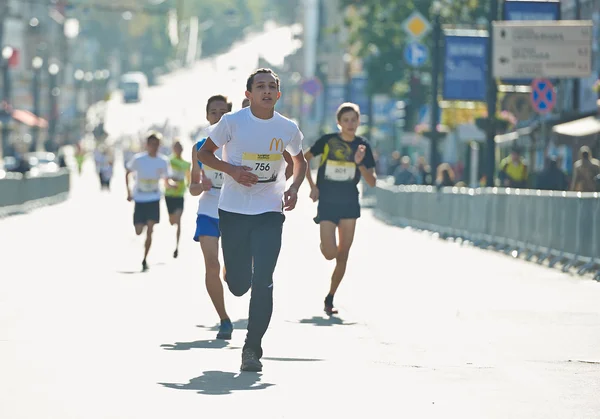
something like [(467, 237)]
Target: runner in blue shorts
[(206, 182)]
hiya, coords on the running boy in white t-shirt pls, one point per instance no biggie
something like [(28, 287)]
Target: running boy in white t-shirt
[(149, 168), (253, 198)]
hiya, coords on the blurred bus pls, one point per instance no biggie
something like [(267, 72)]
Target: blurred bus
[(133, 86)]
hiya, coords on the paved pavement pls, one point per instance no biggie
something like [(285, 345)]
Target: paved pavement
[(427, 329)]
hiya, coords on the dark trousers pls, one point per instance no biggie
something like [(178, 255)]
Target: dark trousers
[(248, 240)]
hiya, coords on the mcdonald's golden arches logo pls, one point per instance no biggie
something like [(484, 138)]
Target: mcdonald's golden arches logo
[(278, 142)]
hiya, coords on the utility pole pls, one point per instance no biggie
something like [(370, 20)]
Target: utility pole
[(492, 97), (576, 82), (435, 106), (3, 14)]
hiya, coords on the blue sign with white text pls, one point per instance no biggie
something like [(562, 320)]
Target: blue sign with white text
[(529, 10), (465, 67)]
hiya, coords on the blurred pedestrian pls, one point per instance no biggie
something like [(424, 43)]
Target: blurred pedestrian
[(585, 171), (513, 171), (106, 170), (424, 176), (394, 163), (552, 178), (405, 174), (445, 176)]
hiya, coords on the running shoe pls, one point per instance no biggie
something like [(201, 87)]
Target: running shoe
[(250, 361), (225, 330)]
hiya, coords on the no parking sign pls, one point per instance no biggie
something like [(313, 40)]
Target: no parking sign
[(543, 96)]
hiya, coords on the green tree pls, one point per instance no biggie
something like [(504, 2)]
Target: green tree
[(376, 35)]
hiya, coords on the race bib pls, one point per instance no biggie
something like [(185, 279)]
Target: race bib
[(265, 166), (215, 176), (148, 185), (340, 171)]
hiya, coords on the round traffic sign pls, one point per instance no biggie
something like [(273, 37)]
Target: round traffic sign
[(416, 54), (543, 96)]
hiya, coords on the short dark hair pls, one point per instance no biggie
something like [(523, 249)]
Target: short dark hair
[(347, 107), (218, 98), (250, 80), (154, 135)]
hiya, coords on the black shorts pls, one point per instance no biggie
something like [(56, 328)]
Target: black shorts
[(336, 211), (146, 211), (174, 204)]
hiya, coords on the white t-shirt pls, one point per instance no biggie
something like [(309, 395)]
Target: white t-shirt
[(259, 144), (148, 173), (208, 203)]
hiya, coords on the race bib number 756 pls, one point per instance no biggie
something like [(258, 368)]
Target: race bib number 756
[(265, 166)]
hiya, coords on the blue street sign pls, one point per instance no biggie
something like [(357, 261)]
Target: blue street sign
[(358, 93), (416, 54), (529, 10), (465, 66), (543, 97)]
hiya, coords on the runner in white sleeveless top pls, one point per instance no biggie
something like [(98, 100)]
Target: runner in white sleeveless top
[(207, 183)]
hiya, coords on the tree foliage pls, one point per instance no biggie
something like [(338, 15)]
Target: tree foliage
[(376, 32)]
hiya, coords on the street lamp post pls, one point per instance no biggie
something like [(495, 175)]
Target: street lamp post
[(7, 53), (36, 64), (53, 70), (88, 77), (79, 76)]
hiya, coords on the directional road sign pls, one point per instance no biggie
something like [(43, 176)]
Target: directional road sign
[(416, 54), (527, 49)]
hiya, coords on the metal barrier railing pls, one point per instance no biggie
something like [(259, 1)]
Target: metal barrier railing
[(19, 192), (552, 226)]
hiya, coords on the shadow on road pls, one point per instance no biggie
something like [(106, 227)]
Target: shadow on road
[(140, 271), (269, 358), (326, 321), (220, 382), (241, 324), (199, 344)]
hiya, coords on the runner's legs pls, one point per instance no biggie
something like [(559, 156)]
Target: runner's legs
[(210, 250)]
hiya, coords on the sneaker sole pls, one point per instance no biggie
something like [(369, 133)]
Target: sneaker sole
[(251, 368), (331, 312), (224, 337)]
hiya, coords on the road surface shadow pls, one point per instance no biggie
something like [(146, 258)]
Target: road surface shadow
[(241, 324), (269, 358), (326, 321), (199, 344), (140, 271), (220, 382)]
